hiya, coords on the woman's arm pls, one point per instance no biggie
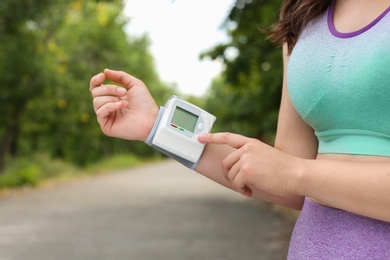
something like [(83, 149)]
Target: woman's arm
[(292, 171), (293, 137), (117, 107), (356, 186)]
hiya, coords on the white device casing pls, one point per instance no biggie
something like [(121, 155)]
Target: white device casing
[(177, 139)]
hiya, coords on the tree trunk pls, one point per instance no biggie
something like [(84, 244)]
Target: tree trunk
[(7, 144)]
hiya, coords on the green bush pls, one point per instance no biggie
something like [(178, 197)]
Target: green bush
[(32, 171), (24, 174)]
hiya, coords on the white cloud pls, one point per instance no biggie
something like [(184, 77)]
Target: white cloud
[(180, 30)]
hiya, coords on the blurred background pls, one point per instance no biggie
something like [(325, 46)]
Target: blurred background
[(49, 50), (211, 53)]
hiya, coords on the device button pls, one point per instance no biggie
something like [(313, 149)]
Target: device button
[(200, 126)]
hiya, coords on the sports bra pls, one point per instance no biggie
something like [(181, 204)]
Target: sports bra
[(339, 83)]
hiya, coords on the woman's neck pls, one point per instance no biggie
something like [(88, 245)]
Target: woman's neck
[(352, 15)]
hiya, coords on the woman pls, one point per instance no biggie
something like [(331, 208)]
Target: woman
[(332, 151)]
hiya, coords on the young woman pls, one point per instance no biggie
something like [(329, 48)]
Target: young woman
[(332, 152)]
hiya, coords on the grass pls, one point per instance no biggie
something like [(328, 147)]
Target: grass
[(36, 170)]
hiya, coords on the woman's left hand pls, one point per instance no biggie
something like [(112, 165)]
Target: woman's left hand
[(255, 165)]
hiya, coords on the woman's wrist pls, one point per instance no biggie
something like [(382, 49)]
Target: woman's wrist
[(153, 122), (299, 176)]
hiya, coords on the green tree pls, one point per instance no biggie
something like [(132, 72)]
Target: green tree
[(246, 98), (21, 63), (62, 122), (49, 51)]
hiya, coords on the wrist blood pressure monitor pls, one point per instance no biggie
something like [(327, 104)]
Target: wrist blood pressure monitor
[(177, 128)]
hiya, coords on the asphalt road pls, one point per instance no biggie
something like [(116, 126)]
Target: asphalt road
[(159, 211)]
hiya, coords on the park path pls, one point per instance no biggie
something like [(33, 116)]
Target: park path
[(158, 211)]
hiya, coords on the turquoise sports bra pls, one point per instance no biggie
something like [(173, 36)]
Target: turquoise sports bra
[(340, 85)]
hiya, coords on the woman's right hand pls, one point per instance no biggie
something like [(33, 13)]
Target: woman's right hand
[(127, 111)]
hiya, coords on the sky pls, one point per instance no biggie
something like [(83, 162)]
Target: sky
[(179, 31)]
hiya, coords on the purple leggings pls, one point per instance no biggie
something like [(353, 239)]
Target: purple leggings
[(326, 233)]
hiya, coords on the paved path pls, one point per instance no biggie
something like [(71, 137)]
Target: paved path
[(160, 211)]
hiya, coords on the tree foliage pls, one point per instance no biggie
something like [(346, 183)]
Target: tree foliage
[(49, 51), (246, 97)]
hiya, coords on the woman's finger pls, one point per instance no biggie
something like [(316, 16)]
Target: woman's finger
[(98, 102), (233, 140), (234, 176), (122, 78), (233, 171), (230, 164), (96, 81), (108, 108), (108, 90)]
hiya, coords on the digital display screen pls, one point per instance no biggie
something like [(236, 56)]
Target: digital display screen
[(184, 119)]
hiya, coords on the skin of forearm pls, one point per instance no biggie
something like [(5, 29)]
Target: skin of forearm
[(358, 187)]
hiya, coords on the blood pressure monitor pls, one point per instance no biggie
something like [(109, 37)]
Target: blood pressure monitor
[(179, 127)]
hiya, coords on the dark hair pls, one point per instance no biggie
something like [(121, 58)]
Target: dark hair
[(294, 16)]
